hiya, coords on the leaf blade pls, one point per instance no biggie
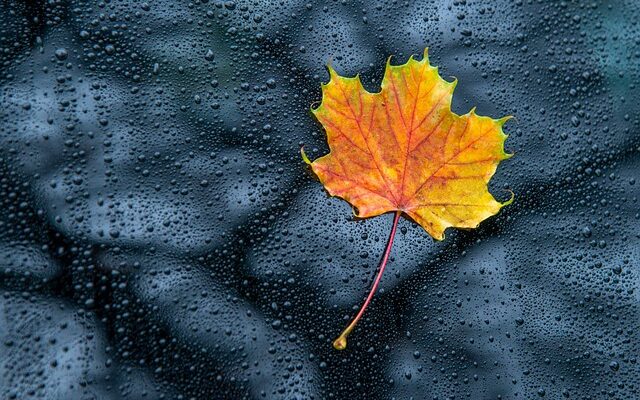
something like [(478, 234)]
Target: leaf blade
[(403, 149)]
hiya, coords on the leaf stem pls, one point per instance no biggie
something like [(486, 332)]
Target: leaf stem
[(341, 342)]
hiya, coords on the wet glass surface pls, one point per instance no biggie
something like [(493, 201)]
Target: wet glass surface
[(160, 236)]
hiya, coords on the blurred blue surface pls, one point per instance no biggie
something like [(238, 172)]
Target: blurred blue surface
[(160, 237)]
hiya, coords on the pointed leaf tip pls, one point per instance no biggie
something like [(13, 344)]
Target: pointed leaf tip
[(504, 119), (304, 156), (510, 201)]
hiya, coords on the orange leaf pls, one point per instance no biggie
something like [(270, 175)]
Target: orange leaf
[(402, 150)]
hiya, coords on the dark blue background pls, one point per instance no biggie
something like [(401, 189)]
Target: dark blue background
[(160, 236)]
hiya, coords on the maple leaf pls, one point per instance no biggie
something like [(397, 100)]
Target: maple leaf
[(403, 150)]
